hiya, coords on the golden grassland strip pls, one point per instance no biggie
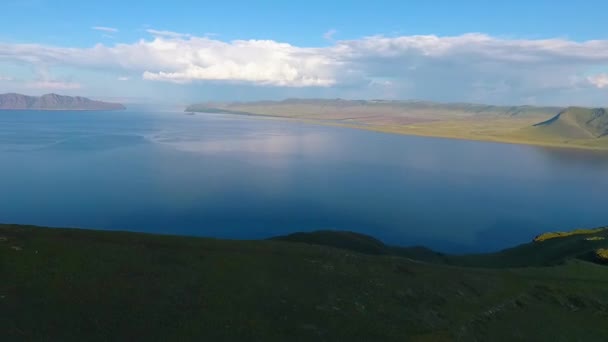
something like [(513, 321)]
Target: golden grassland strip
[(602, 254), (467, 130), (555, 235), (509, 130)]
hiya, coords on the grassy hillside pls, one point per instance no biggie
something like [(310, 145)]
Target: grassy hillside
[(577, 123), (546, 126), (75, 285), (547, 249), (363, 244), (548, 252)]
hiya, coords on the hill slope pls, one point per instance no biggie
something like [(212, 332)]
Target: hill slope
[(75, 285), (577, 123), (548, 249), (53, 102)]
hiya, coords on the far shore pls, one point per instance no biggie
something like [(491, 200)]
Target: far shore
[(438, 129)]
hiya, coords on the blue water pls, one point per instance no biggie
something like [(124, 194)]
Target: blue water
[(245, 177)]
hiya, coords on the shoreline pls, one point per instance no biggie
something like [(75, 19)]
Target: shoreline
[(399, 131)]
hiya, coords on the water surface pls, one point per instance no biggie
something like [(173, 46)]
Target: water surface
[(246, 177)]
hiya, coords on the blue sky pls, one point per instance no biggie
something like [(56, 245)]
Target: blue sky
[(537, 52)]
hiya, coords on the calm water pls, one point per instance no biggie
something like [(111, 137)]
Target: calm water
[(239, 177)]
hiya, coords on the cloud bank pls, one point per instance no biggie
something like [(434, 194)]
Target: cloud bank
[(470, 66)]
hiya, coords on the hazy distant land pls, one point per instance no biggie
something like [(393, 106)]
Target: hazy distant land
[(14, 101), (548, 126)]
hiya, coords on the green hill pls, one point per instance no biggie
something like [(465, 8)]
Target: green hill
[(577, 123), (77, 285), (363, 244), (340, 239), (558, 250), (547, 249)]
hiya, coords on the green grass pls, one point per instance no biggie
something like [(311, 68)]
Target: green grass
[(346, 240), (77, 285), (549, 249)]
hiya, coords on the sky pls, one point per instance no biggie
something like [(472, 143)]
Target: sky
[(179, 52)]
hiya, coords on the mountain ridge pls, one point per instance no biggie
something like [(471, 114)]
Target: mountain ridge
[(14, 101), (577, 122)]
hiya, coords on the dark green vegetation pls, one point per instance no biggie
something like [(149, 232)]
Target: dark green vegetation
[(82, 285), (558, 249), (346, 240), (547, 126), (363, 244)]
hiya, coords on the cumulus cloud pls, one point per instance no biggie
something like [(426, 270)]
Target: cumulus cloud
[(467, 67), (256, 61), (600, 80), (105, 29)]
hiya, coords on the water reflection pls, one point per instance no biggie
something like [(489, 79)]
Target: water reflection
[(580, 157), (235, 177)]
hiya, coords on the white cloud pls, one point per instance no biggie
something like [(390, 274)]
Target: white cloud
[(167, 34), (6, 78), (599, 80), (329, 35), (53, 85), (124, 78), (466, 67), (105, 29), (257, 61)]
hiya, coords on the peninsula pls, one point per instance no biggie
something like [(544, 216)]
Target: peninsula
[(574, 127), (14, 101)]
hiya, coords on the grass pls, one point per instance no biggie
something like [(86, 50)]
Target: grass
[(499, 130), (556, 235), (74, 285), (513, 125), (602, 254)]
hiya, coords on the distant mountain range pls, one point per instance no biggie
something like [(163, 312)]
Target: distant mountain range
[(340, 108), (53, 102)]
